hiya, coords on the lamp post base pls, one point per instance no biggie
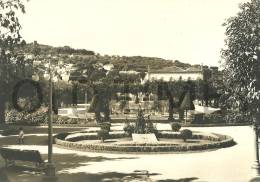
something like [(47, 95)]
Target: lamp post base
[(256, 179), (256, 167), (50, 173)]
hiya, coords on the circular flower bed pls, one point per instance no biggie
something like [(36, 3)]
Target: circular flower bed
[(118, 141)]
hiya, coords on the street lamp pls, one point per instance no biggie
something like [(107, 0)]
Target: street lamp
[(257, 116), (50, 173), (256, 125)]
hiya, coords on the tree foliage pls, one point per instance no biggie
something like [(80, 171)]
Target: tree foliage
[(240, 57), (10, 26), (82, 56), (12, 63), (10, 39)]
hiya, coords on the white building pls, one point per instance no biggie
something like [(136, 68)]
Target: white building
[(174, 73)]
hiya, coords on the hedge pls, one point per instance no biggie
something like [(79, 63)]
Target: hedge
[(92, 135), (223, 141)]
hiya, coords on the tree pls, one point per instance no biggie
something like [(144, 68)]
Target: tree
[(140, 122), (100, 103), (36, 50), (170, 101), (187, 103), (94, 76), (240, 58), (12, 63)]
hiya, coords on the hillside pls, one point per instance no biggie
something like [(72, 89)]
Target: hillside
[(83, 56)]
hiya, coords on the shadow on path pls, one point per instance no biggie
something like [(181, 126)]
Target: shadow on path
[(25, 172), (3, 176), (71, 161), (28, 140), (64, 162), (15, 175)]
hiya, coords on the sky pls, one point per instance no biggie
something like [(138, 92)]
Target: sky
[(190, 31)]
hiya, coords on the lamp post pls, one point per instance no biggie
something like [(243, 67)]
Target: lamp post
[(257, 116), (50, 173), (256, 125)]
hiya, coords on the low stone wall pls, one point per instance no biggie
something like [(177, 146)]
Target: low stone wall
[(222, 142), (93, 136)]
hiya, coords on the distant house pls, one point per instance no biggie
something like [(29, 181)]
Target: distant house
[(108, 67), (174, 73), (130, 72)]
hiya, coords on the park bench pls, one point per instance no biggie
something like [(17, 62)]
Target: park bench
[(12, 155)]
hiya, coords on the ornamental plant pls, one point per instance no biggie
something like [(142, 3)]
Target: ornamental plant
[(103, 134), (129, 128), (122, 105), (105, 126), (186, 134), (175, 127), (140, 122), (151, 128), (38, 117)]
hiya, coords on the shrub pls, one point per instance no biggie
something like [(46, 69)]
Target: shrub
[(105, 126), (129, 128), (186, 134), (181, 114), (124, 97), (137, 100), (175, 126), (146, 98), (237, 117), (11, 131), (157, 106), (103, 134), (140, 122), (150, 128), (122, 105), (126, 111), (38, 117), (67, 120), (198, 118), (214, 118)]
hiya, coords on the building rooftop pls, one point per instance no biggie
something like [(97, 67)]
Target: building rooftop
[(175, 69)]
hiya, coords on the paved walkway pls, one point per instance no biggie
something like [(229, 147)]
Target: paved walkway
[(223, 165)]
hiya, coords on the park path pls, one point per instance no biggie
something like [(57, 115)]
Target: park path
[(231, 164)]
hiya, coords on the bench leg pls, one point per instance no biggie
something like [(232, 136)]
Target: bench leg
[(9, 163), (12, 163)]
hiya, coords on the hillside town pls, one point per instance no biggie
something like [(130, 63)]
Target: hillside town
[(127, 91)]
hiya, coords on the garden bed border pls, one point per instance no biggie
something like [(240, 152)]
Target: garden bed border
[(223, 142)]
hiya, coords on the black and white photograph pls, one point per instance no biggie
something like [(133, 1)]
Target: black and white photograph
[(129, 90)]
